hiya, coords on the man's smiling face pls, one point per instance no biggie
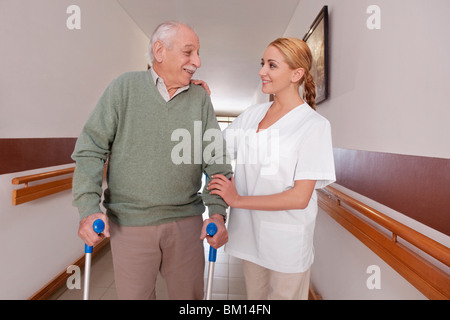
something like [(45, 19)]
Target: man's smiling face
[(181, 59)]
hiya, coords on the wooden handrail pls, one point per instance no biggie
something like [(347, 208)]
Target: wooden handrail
[(425, 276), (427, 245), (28, 193), (41, 176)]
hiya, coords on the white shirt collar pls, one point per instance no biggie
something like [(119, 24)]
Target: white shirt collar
[(161, 86)]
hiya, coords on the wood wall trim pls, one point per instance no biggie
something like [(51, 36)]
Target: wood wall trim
[(433, 282), (60, 280), (418, 187), (22, 154)]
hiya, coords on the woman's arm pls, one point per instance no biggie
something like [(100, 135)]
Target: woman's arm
[(295, 198)]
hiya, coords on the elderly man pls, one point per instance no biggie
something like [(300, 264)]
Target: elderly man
[(153, 205)]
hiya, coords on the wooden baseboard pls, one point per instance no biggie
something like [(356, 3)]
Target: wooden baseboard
[(313, 295), (60, 280)]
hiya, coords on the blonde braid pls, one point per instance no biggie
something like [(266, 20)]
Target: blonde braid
[(309, 90)]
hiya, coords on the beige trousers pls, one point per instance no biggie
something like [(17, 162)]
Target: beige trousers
[(266, 284), (174, 249)]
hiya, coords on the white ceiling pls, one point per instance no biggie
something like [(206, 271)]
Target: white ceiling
[(233, 36)]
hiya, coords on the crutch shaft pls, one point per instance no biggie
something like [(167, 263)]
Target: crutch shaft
[(210, 280), (87, 275), (98, 227)]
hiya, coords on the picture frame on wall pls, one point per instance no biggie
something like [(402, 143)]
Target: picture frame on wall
[(317, 40)]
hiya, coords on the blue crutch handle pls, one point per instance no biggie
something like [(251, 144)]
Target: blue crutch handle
[(211, 230), (98, 227)]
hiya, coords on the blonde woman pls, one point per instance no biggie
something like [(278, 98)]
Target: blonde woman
[(283, 152)]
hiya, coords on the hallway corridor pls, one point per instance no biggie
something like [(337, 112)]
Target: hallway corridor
[(228, 279)]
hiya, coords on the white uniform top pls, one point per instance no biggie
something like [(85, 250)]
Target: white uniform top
[(296, 147)]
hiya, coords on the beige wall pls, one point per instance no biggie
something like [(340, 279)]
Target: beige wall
[(387, 94), (51, 77), (388, 87)]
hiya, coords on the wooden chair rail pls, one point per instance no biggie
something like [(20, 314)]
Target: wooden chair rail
[(30, 193), (433, 282)]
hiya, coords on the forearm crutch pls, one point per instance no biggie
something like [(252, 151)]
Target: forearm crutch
[(98, 227), (211, 230)]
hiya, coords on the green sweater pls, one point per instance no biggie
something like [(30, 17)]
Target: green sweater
[(134, 127)]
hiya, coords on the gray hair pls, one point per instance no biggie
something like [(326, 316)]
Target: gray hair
[(164, 33)]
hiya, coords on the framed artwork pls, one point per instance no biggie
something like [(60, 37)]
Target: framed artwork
[(317, 40)]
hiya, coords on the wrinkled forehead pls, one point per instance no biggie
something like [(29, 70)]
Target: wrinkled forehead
[(186, 38)]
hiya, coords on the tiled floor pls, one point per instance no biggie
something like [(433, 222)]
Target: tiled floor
[(228, 281)]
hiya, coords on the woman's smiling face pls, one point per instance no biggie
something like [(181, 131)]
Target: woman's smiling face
[(275, 73)]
